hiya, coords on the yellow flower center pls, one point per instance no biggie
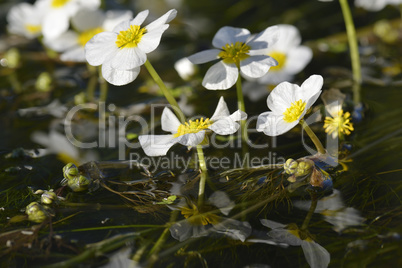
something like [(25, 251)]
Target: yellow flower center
[(196, 217), (338, 125), (131, 37), (193, 126), (280, 58), (59, 3), (234, 53), (85, 36), (294, 111), (31, 28)]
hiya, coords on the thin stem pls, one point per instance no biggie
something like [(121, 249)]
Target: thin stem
[(313, 137), (165, 91), (241, 107), (314, 201), (204, 174), (354, 51), (92, 83), (103, 87)]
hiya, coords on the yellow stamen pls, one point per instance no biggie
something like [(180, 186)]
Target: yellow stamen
[(280, 58), (31, 28), (131, 37), (193, 126), (196, 217), (339, 125), (294, 111), (84, 37), (59, 3), (234, 53)]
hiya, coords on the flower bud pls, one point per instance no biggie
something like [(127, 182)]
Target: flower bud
[(48, 197), (70, 171), (36, 212), (304, 167), (44, 82), (290, 166), (79, 183), (11, 58)]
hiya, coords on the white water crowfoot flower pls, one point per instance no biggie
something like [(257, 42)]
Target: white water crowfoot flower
[(58, 13), (26, 20), (122, 51), (191, 133), (289, 103), (376, 5), (87, 23), (237, 51), (316, 255)]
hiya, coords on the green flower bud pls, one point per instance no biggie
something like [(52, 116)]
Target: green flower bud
[(36, 212), (11, 58), (290, 166), (304, 167), (70, 171), (79, 183), (43, 83), (48, 197)]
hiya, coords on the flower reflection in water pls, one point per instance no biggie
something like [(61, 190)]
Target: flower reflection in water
[(205, 221)]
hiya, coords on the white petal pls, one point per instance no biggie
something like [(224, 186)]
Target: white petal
[(139, 19), (76, 54), (93, 4), (311, 87), (297, 59), (119, 77), (166, 18), (224, 126), (238, 230), (169, 121), (122, 26), (266, 38), (289, 38), (128, 58), (220, 76), (204, 56), (86, 19), (230, 35), (273, 124), (114, 17), (54, 24), (257, 66), (238, 115), (272, 224), (63, 42), (282, 97), (156, 145), (311, 101), (191, 139), (316, 255), (100, 47), (150, 41), (221, 110), (284, 236)]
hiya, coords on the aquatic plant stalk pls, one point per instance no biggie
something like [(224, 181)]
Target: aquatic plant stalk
[(91, 83), (165, 91), (354, 50), (103, 86), (204, 174), (313, 137), (241, 107), (314, 201)]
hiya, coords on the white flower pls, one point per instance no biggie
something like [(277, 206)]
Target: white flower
[(376, 5), (58, 13), (315, 255), (289, 103), (237, 50), (185, 68), (193, 132), (87, 23), (26, 20), (123, 50), (290, 55)]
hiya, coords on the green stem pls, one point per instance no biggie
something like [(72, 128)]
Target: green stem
[(313, 137), (165, 91), (354, 51), (204, 174), (103, 86), (241, 107), (92, 83), (314, 201)]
